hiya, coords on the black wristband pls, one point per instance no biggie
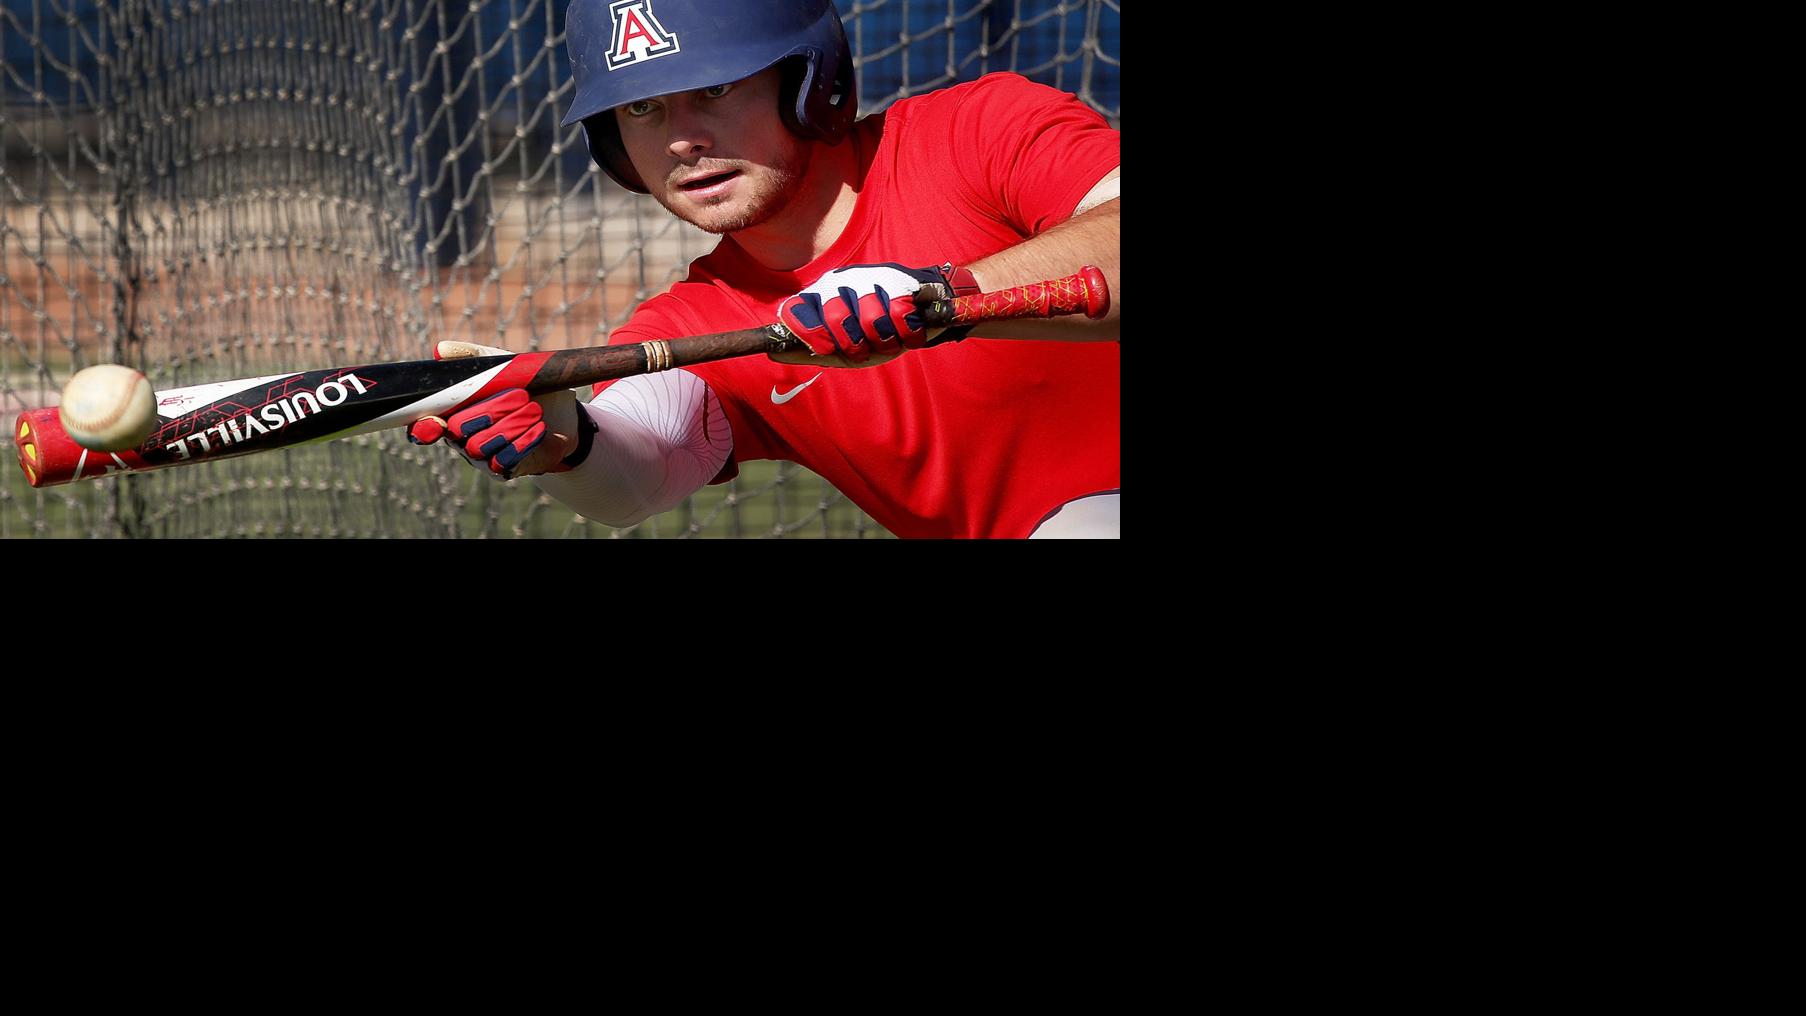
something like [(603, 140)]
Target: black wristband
[(586, 436)]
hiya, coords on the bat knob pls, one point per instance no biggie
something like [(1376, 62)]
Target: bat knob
[(1097, 292)]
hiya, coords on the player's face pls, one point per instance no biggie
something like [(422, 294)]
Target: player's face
[(719, 158)]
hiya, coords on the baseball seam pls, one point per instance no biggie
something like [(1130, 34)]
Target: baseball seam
[(95, 426)]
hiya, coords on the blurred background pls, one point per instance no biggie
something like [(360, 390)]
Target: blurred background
[(230, 188)]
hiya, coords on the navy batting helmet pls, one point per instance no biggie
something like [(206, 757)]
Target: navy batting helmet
[(623, 51)]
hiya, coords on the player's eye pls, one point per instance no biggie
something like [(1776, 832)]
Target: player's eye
[(640, 108), (717, 91)]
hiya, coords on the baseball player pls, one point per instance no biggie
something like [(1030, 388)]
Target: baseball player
[(739, 116)]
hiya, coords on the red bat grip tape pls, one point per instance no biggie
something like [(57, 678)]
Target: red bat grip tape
[(1083, 291)]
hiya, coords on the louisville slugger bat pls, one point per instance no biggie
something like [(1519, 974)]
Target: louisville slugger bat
[(224, 419)]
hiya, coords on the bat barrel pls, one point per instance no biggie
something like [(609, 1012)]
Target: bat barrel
[(227, 419)]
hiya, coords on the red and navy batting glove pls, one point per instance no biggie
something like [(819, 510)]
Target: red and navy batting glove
[(500, 431), (866, 309)]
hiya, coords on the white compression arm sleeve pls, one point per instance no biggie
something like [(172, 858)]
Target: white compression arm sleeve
[(659, 438)]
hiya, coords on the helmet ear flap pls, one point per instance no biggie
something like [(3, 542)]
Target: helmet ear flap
[(840, 100), (793, 75), (815, 104), (606, 149)]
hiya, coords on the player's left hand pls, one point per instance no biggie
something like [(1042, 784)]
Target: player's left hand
[(511, 433), (864, 315), (505, 434)]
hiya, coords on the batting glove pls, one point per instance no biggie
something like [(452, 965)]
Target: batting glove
[(506, 433), (864, 315)]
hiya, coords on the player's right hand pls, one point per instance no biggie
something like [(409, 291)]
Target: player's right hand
[(864, 315), (511, 433)]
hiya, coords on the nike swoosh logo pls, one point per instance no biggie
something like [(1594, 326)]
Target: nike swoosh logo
[(778, 400)]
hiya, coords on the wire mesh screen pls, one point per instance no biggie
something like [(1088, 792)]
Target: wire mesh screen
[(214, 189)]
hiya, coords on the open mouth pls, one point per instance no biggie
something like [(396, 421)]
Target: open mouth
[(709, 181)]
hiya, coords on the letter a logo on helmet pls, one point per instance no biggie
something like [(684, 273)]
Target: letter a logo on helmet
[(723, 41), (637, 34)]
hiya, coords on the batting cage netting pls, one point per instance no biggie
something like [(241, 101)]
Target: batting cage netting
[(219, 189)]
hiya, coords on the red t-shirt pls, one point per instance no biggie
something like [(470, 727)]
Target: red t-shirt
[(980, 438)]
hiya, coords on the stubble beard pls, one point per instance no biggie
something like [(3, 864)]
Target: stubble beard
[(768, 191)]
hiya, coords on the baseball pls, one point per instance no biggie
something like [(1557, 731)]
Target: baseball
[(108, 408)]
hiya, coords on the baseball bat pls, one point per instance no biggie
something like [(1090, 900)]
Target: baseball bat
[(225, 419)]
